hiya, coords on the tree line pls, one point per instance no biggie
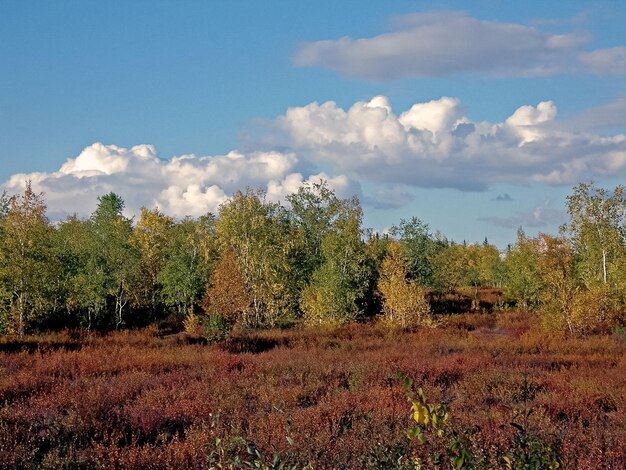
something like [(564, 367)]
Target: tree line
[(258, 263)]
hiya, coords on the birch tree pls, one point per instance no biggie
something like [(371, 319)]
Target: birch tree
[(27, 263), (597, 231)]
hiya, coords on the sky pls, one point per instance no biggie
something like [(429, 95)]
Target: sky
[(477, 117)]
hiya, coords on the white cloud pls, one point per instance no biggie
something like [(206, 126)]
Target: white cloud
[(185, 185), (431, 144), (436, 144), (450, 43)]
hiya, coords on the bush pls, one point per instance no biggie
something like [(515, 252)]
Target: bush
[(216, 328)]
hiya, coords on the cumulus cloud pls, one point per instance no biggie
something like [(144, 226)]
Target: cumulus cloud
[(430, 144), (450, 43), (180, 186), (435, 144), (541, 216)]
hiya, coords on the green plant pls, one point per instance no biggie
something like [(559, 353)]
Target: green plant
[(619, 332), (216, 328), (528, 450), (432, 424)]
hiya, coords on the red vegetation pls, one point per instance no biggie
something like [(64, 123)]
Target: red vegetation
[(133, 399)]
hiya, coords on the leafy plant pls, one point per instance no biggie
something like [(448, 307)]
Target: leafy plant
[(432, 424)]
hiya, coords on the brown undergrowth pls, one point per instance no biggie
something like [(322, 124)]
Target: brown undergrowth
[(325, 399)]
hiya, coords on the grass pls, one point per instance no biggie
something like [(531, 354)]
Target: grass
[(327, 399)]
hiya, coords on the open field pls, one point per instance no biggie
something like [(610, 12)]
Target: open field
[(329, 399)]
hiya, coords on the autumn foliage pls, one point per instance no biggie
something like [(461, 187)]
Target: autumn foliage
[(324, 399)]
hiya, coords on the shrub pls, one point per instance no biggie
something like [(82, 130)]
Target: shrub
[(216, 328)]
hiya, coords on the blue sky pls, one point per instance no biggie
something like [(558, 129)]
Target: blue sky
[(208, 78)]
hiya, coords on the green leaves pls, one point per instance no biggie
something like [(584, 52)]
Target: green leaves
[(28, 266)]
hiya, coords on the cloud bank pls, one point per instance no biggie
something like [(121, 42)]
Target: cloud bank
[(181, 186), (451, 43), (432, 144), (435, 144)]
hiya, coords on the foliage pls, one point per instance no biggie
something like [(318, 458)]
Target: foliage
[(215, 328), (188, 262), (116, 258), (150, 238), (260, 234), (133, 399), (337, 286), (260, 264), (598, 228), (420, 247), (27, 264), (524, 283), (404, 303), (227, 295)]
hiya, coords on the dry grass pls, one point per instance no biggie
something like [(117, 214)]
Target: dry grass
[(328, 399)]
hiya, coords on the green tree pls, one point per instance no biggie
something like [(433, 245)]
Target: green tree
[(84, 271), (264, 241), (524, 283), (190, 255), (597, 230), (420, 247), (150, 239), (335, 294), (27, 261), (376, 249), (315, 208), (117, 258)]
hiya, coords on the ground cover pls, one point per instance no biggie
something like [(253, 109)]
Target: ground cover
[(326, 399)]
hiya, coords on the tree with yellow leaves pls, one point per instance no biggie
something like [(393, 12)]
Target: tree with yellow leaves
[(404, 303)]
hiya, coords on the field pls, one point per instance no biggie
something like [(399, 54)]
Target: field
[(141, 399)]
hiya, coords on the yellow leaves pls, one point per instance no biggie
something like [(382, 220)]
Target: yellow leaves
[(420, 413), (404, 304)]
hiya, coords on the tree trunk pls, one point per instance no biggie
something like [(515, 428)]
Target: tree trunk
[(21, 316)]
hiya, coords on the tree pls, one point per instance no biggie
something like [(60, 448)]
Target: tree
[(315, 208), (524, 283), (84, 271), (597, 230), (227, 295), (482, 264), (376, 249), (335, 294), (420, 247), (555, 263), (450, 267), (190, 254), (150, 239), (404, 303), (27, 264), (263, 239), (117, 258)]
